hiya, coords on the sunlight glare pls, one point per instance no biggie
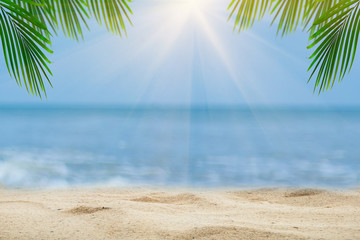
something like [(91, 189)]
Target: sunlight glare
[(191, 6)]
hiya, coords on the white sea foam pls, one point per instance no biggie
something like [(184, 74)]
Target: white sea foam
[(35, 168), (60, 148)]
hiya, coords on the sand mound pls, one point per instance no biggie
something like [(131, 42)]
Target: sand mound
[(180, 199), (232, 233), (303, 193), (86, 210)]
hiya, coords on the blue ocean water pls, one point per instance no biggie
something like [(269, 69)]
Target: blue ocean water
[(68, 146)]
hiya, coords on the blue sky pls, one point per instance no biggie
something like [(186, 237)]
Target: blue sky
[(177, 54)]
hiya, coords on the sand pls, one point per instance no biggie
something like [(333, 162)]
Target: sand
[(144, 213)]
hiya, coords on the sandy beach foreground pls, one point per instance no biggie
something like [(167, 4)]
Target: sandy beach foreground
[(179, 214)]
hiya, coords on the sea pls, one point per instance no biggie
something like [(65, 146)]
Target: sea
[(63, 146)]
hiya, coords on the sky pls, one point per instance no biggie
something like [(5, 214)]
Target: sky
[(183, 52)]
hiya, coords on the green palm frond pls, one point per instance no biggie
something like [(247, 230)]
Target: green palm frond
[(24, 46), (70, 16), (112, 12), (25, 35), (316, 9), (335, 42), (247, 11), (41, 10), (334, 31), (291, 14), (288, 14)]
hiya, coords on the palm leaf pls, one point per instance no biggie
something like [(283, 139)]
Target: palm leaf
[(335, 42), (41, 10), (24, 46), (288, 14), (25, 36), (247, 11), (70, 16), (315, 10), (111, 12)]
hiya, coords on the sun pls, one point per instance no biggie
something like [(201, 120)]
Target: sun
[(191, 6), (192, 3)]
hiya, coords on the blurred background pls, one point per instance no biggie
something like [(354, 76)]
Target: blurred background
[(43, 147), (182, 101)]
